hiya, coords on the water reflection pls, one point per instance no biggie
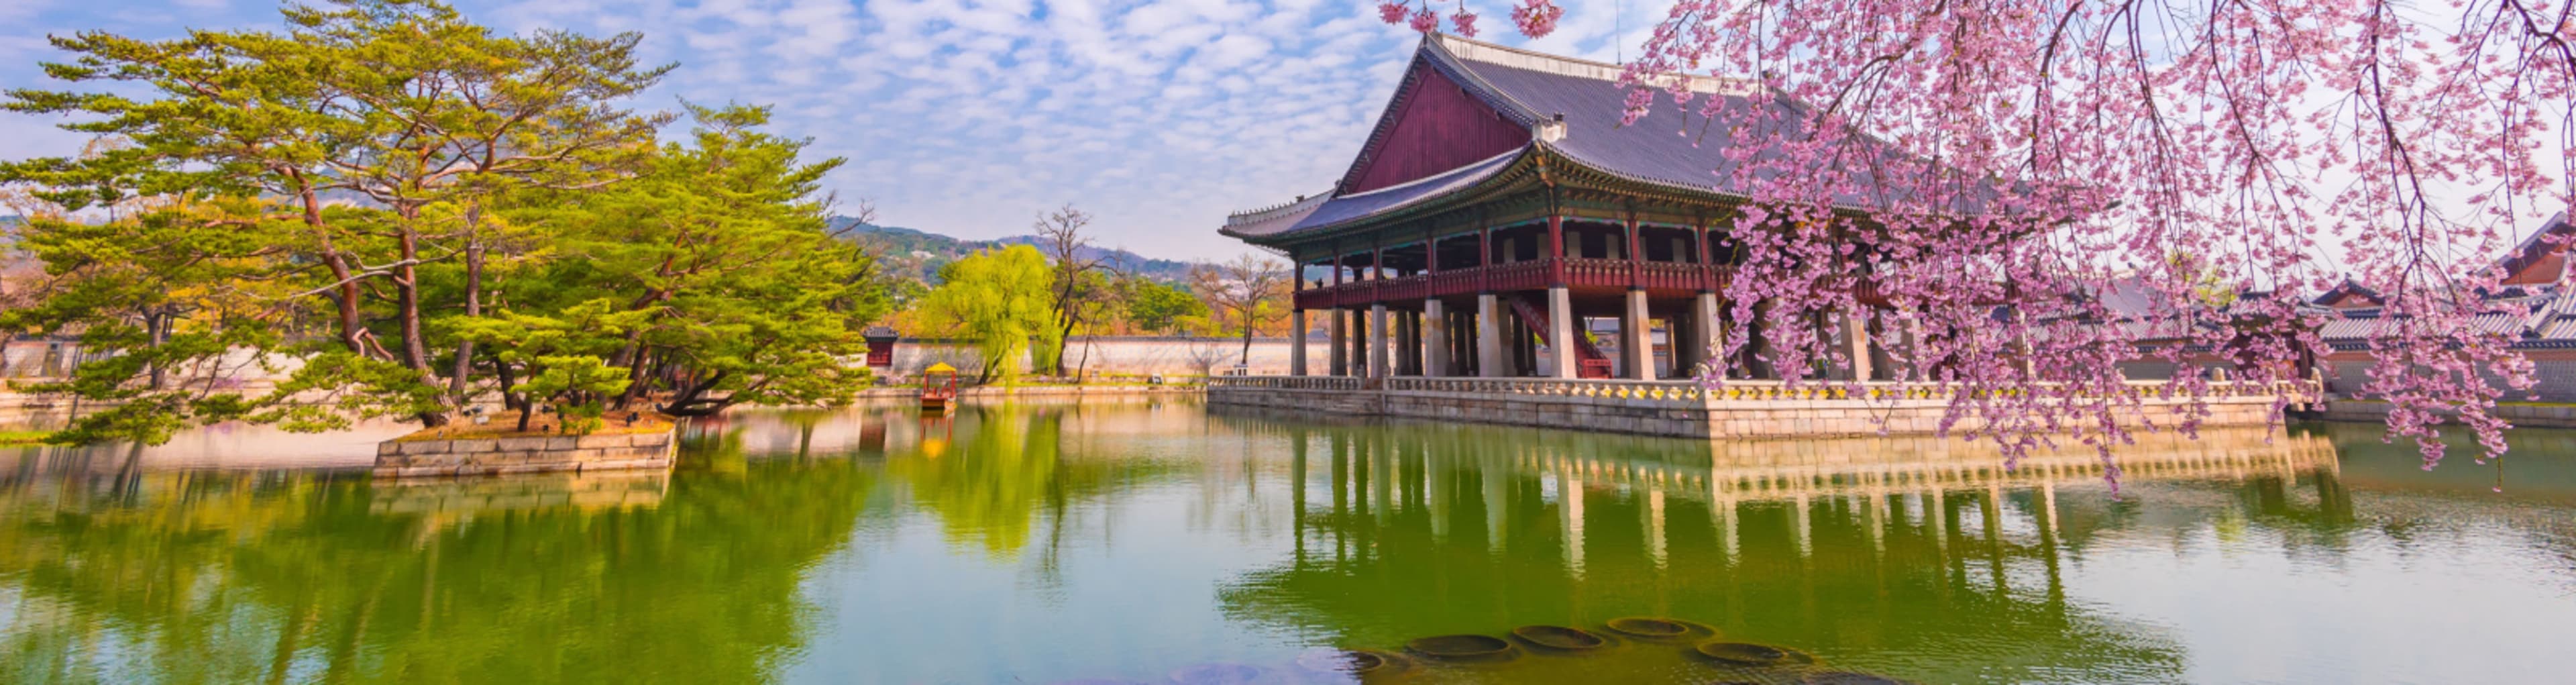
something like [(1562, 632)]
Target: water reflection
[(196, 576), (1914, 556), (1150, 540)]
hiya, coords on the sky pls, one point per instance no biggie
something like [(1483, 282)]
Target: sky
[(971, 117)]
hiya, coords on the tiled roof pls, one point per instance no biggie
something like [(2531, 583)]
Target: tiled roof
[(1666, 147), (1346, 208), (1275, 220), (1534, 89)]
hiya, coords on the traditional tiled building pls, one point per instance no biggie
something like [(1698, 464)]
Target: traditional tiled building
[(2534, 306), (1497, 201)]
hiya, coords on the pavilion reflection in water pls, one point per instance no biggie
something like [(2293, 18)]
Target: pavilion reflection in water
[(1904, 555)]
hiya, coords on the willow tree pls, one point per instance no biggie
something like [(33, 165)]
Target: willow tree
[(2028, 157), (999, 299)]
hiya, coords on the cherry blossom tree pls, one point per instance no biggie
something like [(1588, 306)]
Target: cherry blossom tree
[(1985, 172)]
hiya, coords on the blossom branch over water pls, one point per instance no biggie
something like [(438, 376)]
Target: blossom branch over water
[(1998, 177)]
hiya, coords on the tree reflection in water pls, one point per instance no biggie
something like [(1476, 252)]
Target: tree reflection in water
[(270, 577), (1039, 541)]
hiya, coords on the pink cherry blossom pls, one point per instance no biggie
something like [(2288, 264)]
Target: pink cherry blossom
[(1391, 12), (1465, 22), (1536, 18), (2051, 183), (1425, 20)]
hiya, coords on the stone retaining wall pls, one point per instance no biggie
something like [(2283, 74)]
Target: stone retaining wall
[(586, 491), (537, 454), (2520, 415), (1690, 418)]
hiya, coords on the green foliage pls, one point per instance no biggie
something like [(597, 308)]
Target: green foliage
[(158, 300), (1157, 306), (561, 356), (522, 234), (745, 294), (999, 299)]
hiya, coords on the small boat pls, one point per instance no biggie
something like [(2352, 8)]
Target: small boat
[(939, 389)]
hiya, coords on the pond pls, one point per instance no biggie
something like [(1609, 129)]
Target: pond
[(1159, 541)]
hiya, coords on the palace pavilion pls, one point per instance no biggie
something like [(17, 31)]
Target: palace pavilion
[(1497, 207)]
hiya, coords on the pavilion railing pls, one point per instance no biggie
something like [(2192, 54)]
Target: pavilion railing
[(1529, 275), (1413, 287), (1602, 272), (1287, 382), (1536, 274)]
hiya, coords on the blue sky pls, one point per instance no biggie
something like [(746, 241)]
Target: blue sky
[(969, 117)]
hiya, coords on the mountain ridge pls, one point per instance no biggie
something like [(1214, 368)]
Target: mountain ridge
[(919, 254)]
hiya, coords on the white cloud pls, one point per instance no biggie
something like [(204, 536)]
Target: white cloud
[(971, 116)]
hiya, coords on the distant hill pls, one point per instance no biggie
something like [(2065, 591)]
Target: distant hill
[(919, 254)]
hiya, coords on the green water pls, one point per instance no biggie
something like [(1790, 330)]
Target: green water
[(1160, 542)]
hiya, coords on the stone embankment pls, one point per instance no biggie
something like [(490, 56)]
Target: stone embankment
[(410, 457), (2520, 415), (1743, 409)]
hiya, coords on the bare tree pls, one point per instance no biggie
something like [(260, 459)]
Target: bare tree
[(1240, 287), (1202, 356), (1061, 230)]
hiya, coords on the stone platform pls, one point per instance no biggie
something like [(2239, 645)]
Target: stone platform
[(412, 457), (1740, 410)]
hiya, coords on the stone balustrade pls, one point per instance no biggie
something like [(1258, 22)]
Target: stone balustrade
[(1286, 382), (1735, 409), (1782, 391)]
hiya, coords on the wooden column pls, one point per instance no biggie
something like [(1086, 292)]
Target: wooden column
[(1485, 260), (1636, 254), (1555, 251)]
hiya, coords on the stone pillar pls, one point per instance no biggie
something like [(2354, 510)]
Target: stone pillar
[(1758, 354), (1685, 341), (1297, 342), (1413, 344), (1916, 369), (1637, 338), (1712, 332), (1853, 333), (1489, 336), (1560, 332), (1435, 345), (1340, 352), (1377, 342)]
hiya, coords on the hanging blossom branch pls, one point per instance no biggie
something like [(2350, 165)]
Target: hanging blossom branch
[(1994, 175)]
